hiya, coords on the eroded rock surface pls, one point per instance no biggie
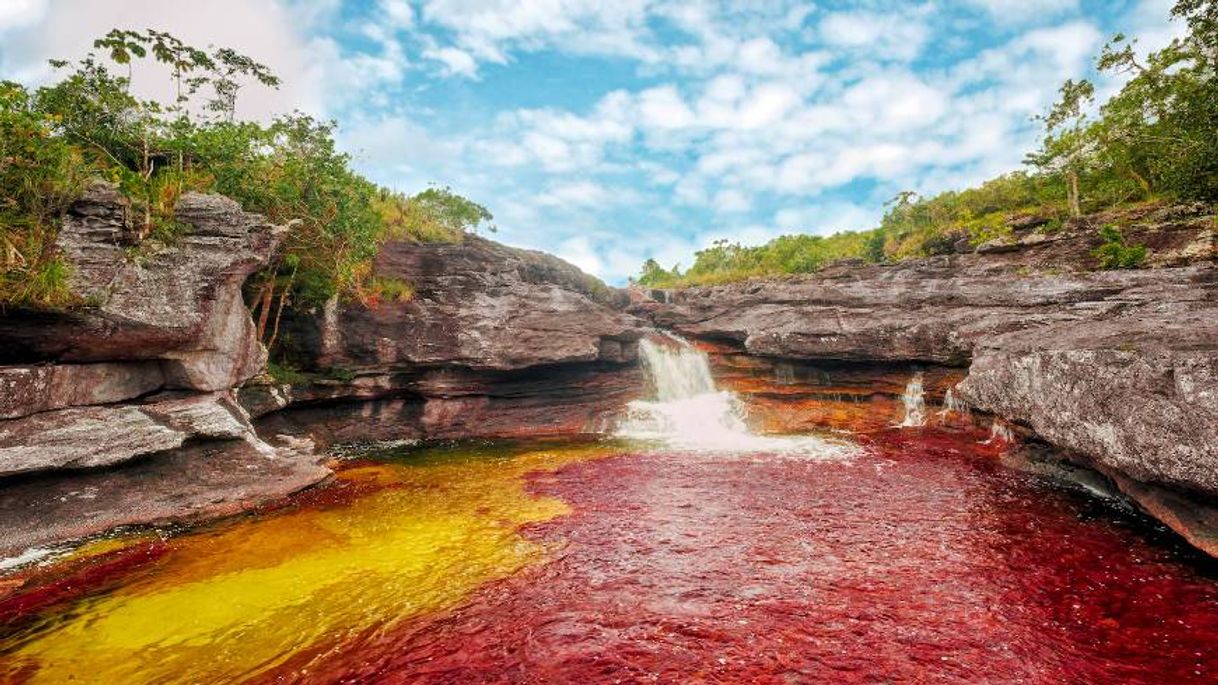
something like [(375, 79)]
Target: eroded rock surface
[(120, 410), (1137, 392), (179, 304), (476, 304), (186, 485), (495, 342)]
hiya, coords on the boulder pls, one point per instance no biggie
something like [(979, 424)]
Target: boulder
[(1136, 393)]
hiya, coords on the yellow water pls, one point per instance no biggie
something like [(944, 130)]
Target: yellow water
[(236, 601)]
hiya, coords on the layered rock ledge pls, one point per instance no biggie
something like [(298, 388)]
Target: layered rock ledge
[(121, 410), (135, 406), (495, 342)]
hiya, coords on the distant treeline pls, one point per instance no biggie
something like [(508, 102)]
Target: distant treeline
[(1155, 139)]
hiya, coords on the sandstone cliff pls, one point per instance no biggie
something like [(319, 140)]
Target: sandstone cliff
[(496, 341), (139, 378), (132, 407)]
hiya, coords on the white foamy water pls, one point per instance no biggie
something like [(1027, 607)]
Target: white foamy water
[(952, 405), (689, 413), (915, 403)]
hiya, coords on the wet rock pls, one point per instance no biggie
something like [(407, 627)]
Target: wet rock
[(187, 485), (458, 402)]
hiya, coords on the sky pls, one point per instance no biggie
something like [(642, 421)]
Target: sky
[(610, 131)]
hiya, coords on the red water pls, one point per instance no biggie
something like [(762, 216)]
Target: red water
[(923, 561)]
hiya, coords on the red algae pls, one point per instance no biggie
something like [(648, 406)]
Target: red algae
[(921, 561)]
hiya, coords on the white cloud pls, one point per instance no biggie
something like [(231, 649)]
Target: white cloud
[(758, 118), (15, 14), (1025, 10), (889, 35), (270, 32), (663, 108), (455, 61), (732, 200), (398, 13)]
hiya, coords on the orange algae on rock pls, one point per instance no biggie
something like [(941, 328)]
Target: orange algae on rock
[(232, 602)]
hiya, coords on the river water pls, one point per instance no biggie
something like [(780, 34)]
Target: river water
[(908, 555)]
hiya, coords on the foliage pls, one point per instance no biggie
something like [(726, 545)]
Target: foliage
[(1157, 138), (435, 215), (1159, 134), (725, 262), (386, 289), (1113, 253), (40, 174), (453, 212), (285, 373), (89, 124)]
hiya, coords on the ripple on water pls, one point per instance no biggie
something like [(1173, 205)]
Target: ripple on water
[(918, 559)]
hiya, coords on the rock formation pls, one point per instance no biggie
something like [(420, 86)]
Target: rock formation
[(137, 377), (495, 341)]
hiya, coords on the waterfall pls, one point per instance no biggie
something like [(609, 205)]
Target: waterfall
[(915, 403), (687, 411), (1000, 434), (952, 405)]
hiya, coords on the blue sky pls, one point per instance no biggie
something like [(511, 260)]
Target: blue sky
[(609, 131)]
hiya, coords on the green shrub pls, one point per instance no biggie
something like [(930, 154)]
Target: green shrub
[(285, 373), (1113, 253)]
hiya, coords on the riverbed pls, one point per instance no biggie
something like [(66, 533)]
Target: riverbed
[(913, 556)]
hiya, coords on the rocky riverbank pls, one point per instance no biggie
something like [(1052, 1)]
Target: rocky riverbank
[(138, 406), (1117, 369), (494, 342), (149, 404)]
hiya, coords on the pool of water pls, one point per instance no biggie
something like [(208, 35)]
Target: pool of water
[(913, 558)]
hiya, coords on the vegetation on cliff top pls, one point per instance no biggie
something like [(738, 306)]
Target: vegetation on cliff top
[(90, 124), (1155, 139)]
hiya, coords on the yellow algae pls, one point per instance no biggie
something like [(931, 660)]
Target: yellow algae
[(231, 603)]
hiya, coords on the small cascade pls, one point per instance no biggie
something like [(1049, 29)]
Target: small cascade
[(915, 403), (1000, 434), (689, 413), (952, 405)]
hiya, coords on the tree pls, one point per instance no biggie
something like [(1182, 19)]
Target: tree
[(1066, 145), (454, 212), (654, 275)]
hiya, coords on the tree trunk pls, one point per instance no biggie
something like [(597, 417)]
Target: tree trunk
[(283, 298), (1072, 194), (264, 313)]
